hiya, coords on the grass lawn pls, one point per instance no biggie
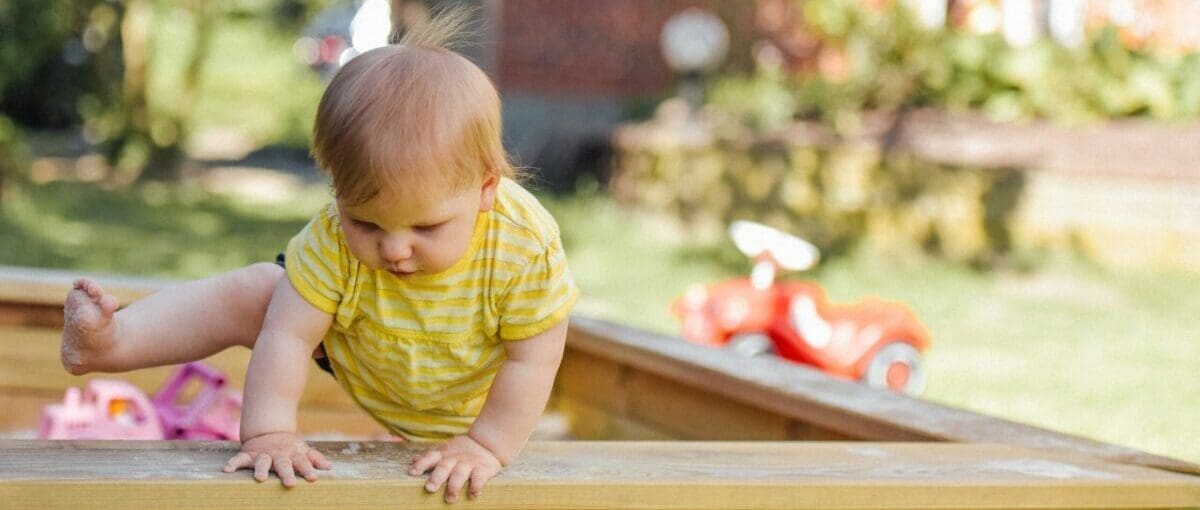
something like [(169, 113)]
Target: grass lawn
[(1107, 355)]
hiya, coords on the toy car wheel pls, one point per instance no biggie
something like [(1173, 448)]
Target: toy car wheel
[(896, 366), (751, 344)]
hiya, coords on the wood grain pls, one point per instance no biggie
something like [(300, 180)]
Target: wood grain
[(22, 411), (31, 363), (603, 358), (590, 475), (810, 397), (588, 422), (49, 286)]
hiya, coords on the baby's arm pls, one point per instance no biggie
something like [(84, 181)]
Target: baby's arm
[(513, 407), (275, 380)]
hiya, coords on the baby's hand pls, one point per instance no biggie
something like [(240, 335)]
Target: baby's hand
[(454, 463), (283, 452)]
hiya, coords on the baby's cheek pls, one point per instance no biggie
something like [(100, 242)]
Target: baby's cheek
[(444, 258), (362, 251)]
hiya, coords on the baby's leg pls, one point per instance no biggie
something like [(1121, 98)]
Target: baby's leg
[(181, 323)]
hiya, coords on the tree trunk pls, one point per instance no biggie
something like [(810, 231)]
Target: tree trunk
[(167, 154), (129, 148), (148, 144)]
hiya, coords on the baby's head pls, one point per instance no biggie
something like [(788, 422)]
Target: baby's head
[(411, 136)]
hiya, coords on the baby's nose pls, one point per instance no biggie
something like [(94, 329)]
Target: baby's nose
[(395, 250)]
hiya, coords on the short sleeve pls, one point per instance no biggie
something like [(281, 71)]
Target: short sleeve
[(539, 296), (317, 262)]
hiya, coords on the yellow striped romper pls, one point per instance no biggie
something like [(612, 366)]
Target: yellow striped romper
[(419, 353)]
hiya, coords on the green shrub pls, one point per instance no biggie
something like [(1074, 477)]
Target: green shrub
[(841, 191), (837, 195), (893, 63)]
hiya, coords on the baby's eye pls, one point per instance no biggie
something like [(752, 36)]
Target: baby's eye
[(427, 228), (365, 225)]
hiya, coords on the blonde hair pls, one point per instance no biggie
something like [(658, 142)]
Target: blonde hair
[(411, 116)]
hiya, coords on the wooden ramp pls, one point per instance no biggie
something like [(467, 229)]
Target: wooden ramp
[(592, 475)]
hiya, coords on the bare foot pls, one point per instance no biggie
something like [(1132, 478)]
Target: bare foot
[(89, 330)]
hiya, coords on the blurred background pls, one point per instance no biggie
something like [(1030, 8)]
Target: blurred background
[(1021, 173)]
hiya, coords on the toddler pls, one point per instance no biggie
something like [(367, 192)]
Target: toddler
[(433, 287)]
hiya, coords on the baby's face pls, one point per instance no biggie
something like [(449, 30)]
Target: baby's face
[(424, 233)]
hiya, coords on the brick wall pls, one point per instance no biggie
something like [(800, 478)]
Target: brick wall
[(604, 47)]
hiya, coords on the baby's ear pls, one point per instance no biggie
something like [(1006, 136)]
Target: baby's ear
[(487, 196)]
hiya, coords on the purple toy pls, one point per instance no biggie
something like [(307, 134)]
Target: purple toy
[(112, 409), (213, 413), (107, 409)]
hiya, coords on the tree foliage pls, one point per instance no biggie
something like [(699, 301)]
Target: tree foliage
[(883, 60)]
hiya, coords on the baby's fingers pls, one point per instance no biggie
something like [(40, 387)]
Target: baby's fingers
[(479, 476), (458, 477), (425, 462), (283, 468), (304, 467), (318, 460), (440, 474), (262, 467), (239, 461)]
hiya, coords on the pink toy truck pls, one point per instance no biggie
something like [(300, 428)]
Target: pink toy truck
[(213, 413), (107, 409)]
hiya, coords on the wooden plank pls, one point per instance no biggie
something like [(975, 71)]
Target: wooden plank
[(590, 475), (30, 315), (22, 411), (1127, 147), (800, 431), (50, 286), (593, 380), (34, 297), (1139, 148), (638, 401), (590, 423), (809, 397), (31, 362), (691, 414)]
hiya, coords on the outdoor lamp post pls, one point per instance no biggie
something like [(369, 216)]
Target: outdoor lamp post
[(694, 41)]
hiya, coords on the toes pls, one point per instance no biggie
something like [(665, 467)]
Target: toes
[(108, 305), (93, 289), (78, 294), (88, 286), (87, 326), (87, 304)]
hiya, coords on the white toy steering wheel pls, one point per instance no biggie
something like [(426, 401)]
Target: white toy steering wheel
[(789, 251)]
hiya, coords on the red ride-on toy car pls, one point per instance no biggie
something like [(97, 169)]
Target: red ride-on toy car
[(874, 341)]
